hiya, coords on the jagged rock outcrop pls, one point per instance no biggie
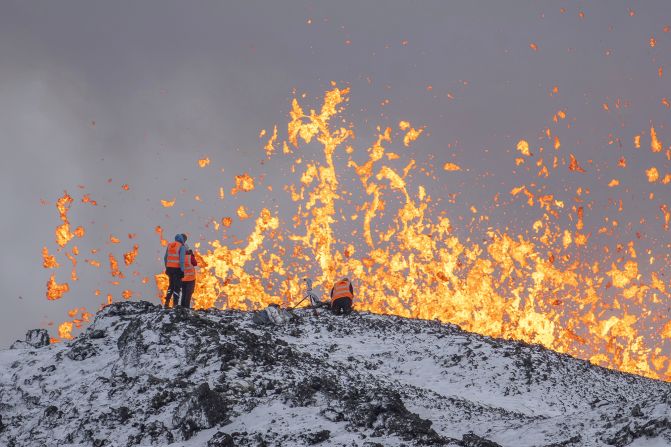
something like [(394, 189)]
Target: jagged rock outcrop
[(221, 439), (203, 408), (35, 338), (143, 375)]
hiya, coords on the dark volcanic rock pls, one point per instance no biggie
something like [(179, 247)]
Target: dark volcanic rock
[(202, 409), (221, 439), (81, 349), (131, 343), (52, 412), (128, 309), (97, 334), (158, 376), (154, 433), (316, 437), (35, 338), (38, 338), (574, 441), (385, 412), (162, 398), (381, 410), (473, 440), (122, 414), (635, 430)]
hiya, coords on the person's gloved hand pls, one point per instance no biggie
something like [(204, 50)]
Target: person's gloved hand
[(181, 273)]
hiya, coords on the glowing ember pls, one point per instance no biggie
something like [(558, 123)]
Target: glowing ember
[(79, 232), (451, 167), (574, 166), (523, 147), (114, 267), (411, 133), (667, 216), (158, 230), (73, 260), (242, 213), (54, 290), (652, 174), (167, 203), (243, 182), (129, 257), (655, 144), (63, 234), (87, 199), (204, 162), (65, 330), (48, 261), (270, 145)]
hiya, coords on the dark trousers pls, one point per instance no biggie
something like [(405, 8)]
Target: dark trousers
[(187, 292), (341, 306), (174, 285)]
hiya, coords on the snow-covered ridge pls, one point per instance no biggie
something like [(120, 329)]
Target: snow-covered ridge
[(142, 375)]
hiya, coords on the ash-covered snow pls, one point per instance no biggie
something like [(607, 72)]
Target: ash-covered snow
[(142, 375)]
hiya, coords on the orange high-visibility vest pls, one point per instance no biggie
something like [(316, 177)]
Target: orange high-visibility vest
[(173, 254), (341, 290), (189, 271)]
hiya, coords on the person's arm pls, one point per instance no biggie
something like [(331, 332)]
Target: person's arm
[(351, 289), (194, 261), (182, 256)]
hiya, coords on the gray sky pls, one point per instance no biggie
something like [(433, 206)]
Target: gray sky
[(169, 82)]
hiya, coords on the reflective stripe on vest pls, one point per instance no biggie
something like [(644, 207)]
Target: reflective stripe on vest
[(341, 290), (173, 254), (189, 271)]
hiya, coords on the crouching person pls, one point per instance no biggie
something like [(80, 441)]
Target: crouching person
[(342, 294), (189, 280)]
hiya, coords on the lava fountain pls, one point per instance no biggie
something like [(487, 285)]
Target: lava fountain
[(408, 256)]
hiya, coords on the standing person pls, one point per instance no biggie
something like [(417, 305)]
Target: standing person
[(189, 280), (342, 294), (174, 258)]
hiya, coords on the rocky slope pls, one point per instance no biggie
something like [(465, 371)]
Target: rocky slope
[(142, 375)]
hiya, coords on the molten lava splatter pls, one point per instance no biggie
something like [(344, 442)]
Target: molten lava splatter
[(523, 147), (129, 257), (451, 167), (63, 234), (655, 144), (540, 284), (48, 261), (574, 166), (243, 182), (55, 291)]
